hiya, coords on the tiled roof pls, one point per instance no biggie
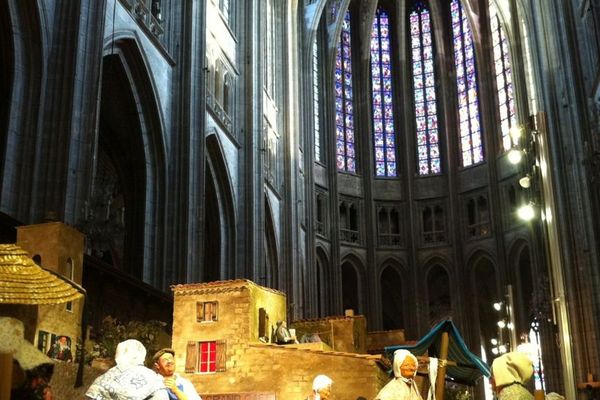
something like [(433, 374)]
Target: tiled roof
[(219, 287), (325, 319)]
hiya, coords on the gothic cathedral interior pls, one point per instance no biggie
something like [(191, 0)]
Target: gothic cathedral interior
[(411, 160)]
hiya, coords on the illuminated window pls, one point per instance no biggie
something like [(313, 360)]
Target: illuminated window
[(344, 113), (383, 113), (316, 102), (428, 148), (506, 101), (471, 146), (269, 60), (224, 7)]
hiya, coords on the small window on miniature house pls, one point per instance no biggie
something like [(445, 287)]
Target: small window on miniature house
[(206, 311), (205, 357), (42, 343), (70, 273)]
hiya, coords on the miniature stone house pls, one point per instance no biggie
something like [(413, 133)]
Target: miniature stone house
[(59, 248), (221, 332)]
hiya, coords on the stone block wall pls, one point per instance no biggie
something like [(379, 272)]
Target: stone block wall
[(346, 334), (250, 366), (238, 304), (377, 341), (288, 371)]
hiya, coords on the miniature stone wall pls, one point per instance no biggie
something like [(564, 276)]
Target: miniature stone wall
[(254, 367), (346, 334), (379, 340), (288, 371), (238, 304)]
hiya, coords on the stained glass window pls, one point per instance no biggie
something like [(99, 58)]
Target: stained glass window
[(316, 103), (471, 145), (506, 101), (428, 148), (344, 113), (270, 40), (383, 114)]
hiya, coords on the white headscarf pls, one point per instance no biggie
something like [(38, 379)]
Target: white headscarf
[(129, 380), (399, 357), (512, 367), (130, 353), (321, 382)]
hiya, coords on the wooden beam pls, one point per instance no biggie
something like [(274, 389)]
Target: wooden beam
[(440, 382), (6, 366)]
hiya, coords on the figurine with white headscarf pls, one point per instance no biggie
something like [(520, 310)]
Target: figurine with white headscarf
[(403, 386), (510, 374), (129, 379)]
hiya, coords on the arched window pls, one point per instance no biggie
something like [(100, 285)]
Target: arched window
[(392, 299), (426, 118), (433, 224), (383, 113), (227, 93), (269, 34), (506, 101), (316, 101), (439, 299), (471, 146), (350, 288), (344, 112), (224, 7), (70, 269)]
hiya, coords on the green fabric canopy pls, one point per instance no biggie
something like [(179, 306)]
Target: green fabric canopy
[(468, 369)]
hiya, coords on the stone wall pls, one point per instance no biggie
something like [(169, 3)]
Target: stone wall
[(288, 371), (347, 334), (379, 340), (254, 367)]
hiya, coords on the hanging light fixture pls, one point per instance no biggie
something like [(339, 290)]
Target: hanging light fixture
[(515, 134), (525, 182), (515, 156), (526, 212)]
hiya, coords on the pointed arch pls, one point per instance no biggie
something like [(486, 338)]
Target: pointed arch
[(392, 294), (439, 299), (271, 272), (423, 51), (504, 77), (524, 286), (484, 291), (22, 54), (353, 283), (467, 86), (344, 99), (131, 139), (220, 224), (382, 94), (323, 287)]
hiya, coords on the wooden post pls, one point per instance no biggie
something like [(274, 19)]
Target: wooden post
[(6, 366), (440, 383)]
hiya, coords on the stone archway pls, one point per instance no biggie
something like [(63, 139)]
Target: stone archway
[(438, 291), (392, 302), (350, 287)]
